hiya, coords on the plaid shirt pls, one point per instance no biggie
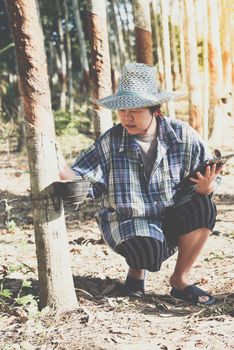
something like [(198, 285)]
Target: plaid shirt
[(133, 205)]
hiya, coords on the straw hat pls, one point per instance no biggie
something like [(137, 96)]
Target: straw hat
[(137, 88)]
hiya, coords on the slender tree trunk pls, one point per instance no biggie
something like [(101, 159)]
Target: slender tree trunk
[(216, 118), (119, 32), (158, 44), (144, 46), (63, 60), (118, 43), (194, 85), (82, 44), (124, 30), (129, 46), (100, 62), (70, 103), (225, 36), (182, 48), (175, 61), (205, 74), (54, 270), (20, 119), (167, 55)]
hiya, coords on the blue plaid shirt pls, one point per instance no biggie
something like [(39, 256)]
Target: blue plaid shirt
[(133, 205)]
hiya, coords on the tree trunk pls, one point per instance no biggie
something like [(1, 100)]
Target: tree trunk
[(118, 42), (82, 44), (216, 118), (54, 270), (225, 36), (194, 85), (167, 55), (182, 48), (175, 61), (158, 44), (63, 60), (128, 29), (205, 74), (144, 46), (119, 32), (70, 103), (100, 62)]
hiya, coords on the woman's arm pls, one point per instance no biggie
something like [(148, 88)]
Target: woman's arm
[(65, 172)]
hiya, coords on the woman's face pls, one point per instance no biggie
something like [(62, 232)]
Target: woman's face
[(135, 121)]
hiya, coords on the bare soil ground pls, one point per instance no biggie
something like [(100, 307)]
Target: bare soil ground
[(104, 320)]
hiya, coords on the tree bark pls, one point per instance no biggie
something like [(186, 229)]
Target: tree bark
[(70, 103), (167, 55), (144, 46), (82, 44), (194, 84), (216, 117), (225, 36), (54, 271), (63, 60), (158, 44), (100, 62)]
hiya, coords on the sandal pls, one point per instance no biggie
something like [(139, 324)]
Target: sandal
[(191, 294)]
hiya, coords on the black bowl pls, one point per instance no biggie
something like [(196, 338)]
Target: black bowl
[(72, 192)]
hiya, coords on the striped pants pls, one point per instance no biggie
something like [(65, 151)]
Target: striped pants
[(148, 253)]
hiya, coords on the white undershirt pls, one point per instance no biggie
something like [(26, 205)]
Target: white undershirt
[(148, 148)]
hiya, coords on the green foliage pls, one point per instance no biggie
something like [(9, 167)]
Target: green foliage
[(68, 124), (5, 293), (24, 297)]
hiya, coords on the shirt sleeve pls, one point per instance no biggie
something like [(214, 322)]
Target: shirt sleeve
[(92, 166)]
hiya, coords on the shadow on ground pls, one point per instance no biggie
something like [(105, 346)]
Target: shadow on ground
[(97, 292)]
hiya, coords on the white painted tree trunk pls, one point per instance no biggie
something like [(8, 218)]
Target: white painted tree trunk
[(54, 271), (143, 31)]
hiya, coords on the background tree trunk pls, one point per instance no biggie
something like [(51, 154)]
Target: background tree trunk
[(62, 60), (82, 44), (216, 118), (142, 21), (54, 270), (205, 89), (182, 48), (167, 55), (194, 85), (100, 62), (156, 16), (70, 102), (225, 36)]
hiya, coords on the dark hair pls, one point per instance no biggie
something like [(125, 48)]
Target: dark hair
[(154, 109)]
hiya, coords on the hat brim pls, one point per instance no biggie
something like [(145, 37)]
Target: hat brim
[(133, 100)]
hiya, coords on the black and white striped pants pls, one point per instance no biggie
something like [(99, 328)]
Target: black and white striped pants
[(148, 253)]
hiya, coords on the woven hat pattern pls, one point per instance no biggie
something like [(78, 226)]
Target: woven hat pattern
[(137, 88)]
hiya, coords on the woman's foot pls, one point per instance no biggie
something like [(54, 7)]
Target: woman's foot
[(180, 282)]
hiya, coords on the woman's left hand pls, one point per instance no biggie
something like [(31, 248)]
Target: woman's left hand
[(205, 183)]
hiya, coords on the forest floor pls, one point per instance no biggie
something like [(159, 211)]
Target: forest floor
[(103, 319)]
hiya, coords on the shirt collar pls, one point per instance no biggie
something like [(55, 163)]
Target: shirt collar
[(166, 134)]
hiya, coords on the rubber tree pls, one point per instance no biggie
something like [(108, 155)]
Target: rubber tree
[(56, 285), (143, 32), (216, 115), (193, 74), (82, 44), (167, 55), (100, 63)]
